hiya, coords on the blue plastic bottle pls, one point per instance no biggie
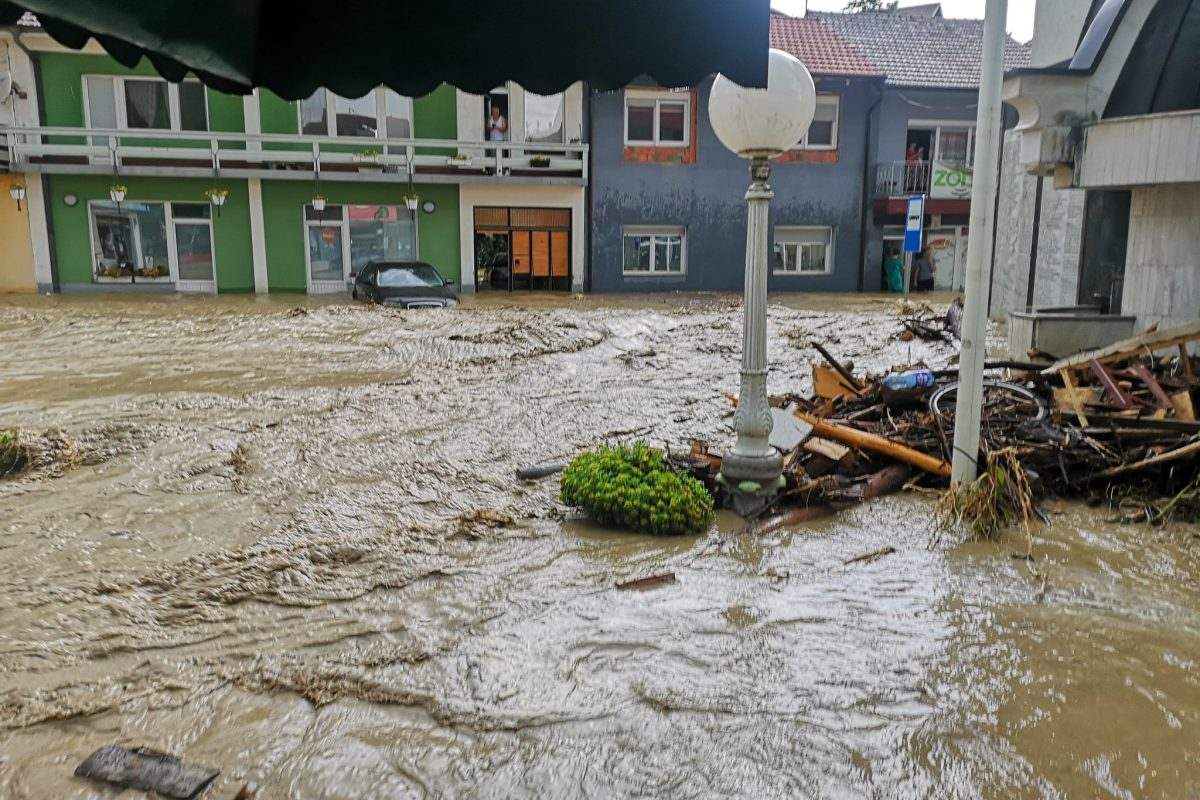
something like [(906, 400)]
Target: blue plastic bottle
[(904, 381)]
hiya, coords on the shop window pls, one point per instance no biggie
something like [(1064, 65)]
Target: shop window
[(802, 251), (129, 241), (355, 235), (654, 251)]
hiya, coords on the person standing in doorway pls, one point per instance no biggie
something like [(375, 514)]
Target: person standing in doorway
[(893, 268), (497, 125), (923, 271)]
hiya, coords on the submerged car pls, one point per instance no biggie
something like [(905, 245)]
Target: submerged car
[(403, 284)]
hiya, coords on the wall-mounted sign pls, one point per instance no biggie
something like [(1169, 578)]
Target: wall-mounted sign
[(914, 224), (950, 181)]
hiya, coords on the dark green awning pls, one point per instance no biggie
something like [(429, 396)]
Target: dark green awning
[(293, 47)]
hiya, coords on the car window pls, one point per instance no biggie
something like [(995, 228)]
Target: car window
[(410, 277)]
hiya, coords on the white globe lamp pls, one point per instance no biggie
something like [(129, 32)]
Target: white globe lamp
[(762, 123), (758, 124)]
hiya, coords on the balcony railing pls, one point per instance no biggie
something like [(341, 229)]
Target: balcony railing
[(896, 178), (899, 178), (289, 156)]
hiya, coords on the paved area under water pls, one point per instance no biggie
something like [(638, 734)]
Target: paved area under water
[(287, 542)]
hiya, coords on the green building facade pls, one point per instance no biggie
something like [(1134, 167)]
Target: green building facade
[(178, 187)]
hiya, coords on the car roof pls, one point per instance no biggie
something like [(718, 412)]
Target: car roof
[(399, 264)]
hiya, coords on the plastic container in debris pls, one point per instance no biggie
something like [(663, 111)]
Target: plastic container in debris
[(906, 388)]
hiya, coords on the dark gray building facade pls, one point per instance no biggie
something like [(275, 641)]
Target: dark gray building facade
[(696, 201)]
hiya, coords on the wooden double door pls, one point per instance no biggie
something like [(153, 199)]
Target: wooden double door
[(539, 246)]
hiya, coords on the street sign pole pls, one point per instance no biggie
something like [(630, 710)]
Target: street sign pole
[(914, 235), (969, 406)]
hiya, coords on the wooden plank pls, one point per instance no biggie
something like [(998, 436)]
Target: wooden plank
[(1186, 361), (1153, 341), (1110, 386), (824, 447), (1153, 461), (1182, 403), (828, 383), (877, 444), (1073, 394), (1064, 400), (1160, 397)]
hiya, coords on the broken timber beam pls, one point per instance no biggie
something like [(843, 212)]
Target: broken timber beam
[(1153, 461), (877, 444), (1110, 386), (1127, 348), (1153, 385)]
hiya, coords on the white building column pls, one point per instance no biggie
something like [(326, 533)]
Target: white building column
[(39, 232), (258, 235)]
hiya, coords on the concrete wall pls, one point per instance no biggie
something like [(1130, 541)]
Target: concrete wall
[(1014, 232), (1057, 26), (16, 248), (1162, 278), (1059, 239), (706, 199)]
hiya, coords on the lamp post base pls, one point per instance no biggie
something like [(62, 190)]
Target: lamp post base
[(753, 470)]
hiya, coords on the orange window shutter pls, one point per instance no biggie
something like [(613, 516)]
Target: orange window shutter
[(541, 254), (560, 254), (520, 252)]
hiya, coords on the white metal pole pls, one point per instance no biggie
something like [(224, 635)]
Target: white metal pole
[(979, 251)]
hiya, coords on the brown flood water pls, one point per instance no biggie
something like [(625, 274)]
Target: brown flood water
[(250, 540)]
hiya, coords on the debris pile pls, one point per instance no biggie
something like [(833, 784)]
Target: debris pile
[(1082, 427)]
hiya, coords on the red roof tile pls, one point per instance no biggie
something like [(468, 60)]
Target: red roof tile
[(816, 44)]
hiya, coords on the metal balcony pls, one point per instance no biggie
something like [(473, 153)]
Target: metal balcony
[(290, 156), (900, 178)]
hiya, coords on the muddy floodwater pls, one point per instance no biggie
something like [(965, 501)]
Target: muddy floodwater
[(283, 538)]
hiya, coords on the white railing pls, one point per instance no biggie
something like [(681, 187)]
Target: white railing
[(895, 178), (66, 149)]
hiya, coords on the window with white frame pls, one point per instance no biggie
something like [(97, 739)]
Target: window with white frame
[(657, 118), (823, 132), (134, 102), (653, 250), (802, 251), (379, 114)]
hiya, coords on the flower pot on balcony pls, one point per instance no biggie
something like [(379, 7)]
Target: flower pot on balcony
[(117, 193), (540, 162), (411, 202), (317, 202)]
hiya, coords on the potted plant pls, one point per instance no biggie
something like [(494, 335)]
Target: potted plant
[(117, 192), (317, 202), (411, 201), (459, 160), (216, 197), (539, 161), (368, 159)]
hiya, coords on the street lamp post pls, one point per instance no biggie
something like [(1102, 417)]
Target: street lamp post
[(758, 124)]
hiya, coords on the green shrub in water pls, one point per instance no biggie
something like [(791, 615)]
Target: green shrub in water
[(13, 455), (631, 486)]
